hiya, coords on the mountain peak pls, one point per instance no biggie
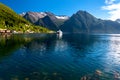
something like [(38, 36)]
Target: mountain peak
[(81, 11), (46, 19), (84, 22), (49, 13)]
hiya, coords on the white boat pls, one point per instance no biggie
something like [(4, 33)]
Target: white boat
[(59, 32)]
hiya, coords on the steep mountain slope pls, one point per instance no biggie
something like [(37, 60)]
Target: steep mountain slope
[(49, 21), (46, 19), (10, 20), (33, 17), (83, 22), (8, 17)]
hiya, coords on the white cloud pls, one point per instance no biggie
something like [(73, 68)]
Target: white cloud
[(109, 1), (113, 9)]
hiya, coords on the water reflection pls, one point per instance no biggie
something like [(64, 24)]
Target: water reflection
[(80, 43), (10, 43), (48, 57), (59, 36)]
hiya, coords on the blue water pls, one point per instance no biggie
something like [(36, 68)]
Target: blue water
[(50, 57)]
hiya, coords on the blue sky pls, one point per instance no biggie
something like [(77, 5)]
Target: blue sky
[(98, 8)]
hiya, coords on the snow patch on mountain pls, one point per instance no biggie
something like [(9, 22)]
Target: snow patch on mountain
[(62, 17)]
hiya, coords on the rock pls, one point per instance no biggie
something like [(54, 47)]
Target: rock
[(98, 72)]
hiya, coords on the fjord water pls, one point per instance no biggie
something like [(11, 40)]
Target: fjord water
[(50, 57)]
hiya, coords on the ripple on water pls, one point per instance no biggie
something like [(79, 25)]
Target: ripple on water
[(74, 57)]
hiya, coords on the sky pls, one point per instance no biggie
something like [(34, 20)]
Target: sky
[(104, 9)]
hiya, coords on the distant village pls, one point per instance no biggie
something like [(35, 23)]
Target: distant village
[(4, 31)]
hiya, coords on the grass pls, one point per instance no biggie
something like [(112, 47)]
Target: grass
[(12, 21)]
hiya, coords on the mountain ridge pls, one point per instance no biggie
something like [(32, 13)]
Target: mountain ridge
[(39, 18), (80, 22), (84, 22)]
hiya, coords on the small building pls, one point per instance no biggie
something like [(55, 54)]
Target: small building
[(2, 31)]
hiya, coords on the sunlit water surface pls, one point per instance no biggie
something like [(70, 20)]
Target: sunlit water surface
[(50, 57)]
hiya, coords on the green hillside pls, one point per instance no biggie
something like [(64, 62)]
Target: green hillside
[(12, 21)]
